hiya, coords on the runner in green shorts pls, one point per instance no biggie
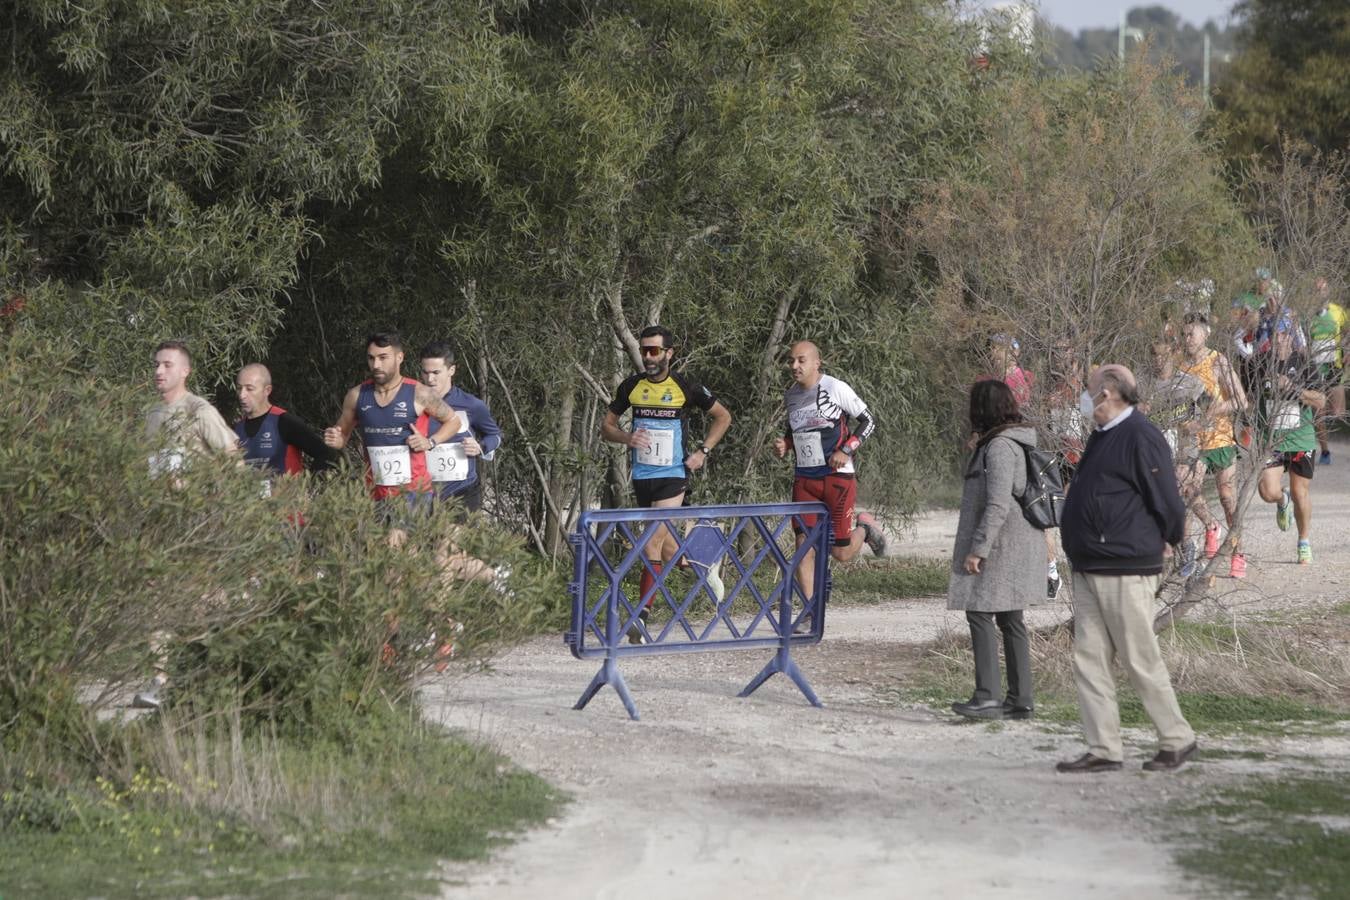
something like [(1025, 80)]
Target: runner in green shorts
[(1224, 398)]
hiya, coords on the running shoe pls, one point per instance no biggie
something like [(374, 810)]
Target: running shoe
[(1238, 567), (152, 695), (1187, 561), (1212, 541), (1052, 585), (636, 635), (1325, 458), (1304, 553), (1282, 511), (872, 534)]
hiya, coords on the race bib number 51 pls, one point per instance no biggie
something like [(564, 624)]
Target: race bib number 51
[(391, 465), (660, 449)]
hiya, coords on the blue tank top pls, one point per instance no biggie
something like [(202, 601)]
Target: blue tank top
[(266, 449), (389, 427)]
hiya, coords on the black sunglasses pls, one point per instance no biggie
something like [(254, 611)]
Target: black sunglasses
[(649, 350)]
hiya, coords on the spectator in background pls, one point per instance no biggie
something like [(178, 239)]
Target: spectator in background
[(996, 560), (1123, 509)]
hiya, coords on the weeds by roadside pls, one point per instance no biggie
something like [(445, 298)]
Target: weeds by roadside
[(1273, 837), (1255, 678), (220, 812)]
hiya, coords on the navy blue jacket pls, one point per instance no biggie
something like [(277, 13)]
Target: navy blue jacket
[(1123, 504), (482, 427)]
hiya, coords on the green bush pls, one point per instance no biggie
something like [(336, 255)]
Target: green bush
[(298, 622)]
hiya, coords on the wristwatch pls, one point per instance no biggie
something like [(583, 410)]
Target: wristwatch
[(706, 450)]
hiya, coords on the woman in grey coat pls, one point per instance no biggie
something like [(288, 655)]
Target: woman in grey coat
[(998, 564)]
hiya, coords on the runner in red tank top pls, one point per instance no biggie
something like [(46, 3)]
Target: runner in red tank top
[(392, 412)]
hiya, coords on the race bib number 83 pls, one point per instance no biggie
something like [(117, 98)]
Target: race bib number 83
[(808, 448)]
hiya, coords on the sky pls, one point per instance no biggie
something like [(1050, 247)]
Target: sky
[(1078, 14)]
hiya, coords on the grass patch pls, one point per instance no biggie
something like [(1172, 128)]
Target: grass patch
[(874, 581), (1286, 837), (373, 817), (1254, 679)]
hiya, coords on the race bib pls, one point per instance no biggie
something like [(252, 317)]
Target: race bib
[(1287, 417), (809, 451), (448, 462), (390, 465), (660, 449), (1324, 352), (165, 462)]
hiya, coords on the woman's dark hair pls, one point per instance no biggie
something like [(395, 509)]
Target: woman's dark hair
[(992, 406)]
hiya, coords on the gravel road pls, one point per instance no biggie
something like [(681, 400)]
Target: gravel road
[(714, 796)]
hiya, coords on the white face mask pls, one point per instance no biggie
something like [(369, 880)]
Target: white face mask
[(1085, 404)]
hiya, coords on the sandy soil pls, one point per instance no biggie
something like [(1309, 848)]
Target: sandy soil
[(714, 796)]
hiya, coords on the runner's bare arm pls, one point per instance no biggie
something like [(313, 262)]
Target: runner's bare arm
[(337, 435), (427, 401), (610, 431), (721, 417), (1234, 398)]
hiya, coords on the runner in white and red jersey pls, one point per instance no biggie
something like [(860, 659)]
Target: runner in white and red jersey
[(819, 408)]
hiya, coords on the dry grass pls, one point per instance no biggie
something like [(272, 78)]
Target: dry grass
[(1304, 662)]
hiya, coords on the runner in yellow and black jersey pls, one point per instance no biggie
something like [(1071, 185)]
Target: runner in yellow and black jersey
[(660, 401)]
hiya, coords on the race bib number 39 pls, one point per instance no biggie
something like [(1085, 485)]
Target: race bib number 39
[(808, 448), (391, 465), (448, 462), (660, 449)]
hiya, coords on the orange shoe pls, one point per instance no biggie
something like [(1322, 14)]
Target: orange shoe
[(1212, 541), (1238, 567)]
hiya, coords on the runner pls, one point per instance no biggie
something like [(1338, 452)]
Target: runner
[(273, 439), (392, 413), (1289, 406), (180, 428), (454, 464), (1175, 400), (660, 400), (819, 407), (1068, 427), (1325, 338), (1004, 353), (1218, 440)]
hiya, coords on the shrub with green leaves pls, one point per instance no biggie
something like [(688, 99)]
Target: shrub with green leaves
[(292, 606)]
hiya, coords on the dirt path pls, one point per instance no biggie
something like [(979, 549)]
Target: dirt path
[(713, 796)]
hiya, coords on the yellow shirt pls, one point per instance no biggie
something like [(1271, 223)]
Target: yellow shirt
[(1220, 433)]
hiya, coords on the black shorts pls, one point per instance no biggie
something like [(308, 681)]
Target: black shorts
[(463, 503), (1300, 463), (649, 490)]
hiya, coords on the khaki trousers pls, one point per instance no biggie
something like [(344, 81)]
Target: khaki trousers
[(1113, 616)]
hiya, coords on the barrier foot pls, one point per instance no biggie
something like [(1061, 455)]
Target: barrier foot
[(609, 674), (784, 663)]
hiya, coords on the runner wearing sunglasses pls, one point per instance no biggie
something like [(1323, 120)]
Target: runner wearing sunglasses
[(660, 400)]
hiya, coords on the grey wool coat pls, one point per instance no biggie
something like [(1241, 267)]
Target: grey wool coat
[(992, 527)]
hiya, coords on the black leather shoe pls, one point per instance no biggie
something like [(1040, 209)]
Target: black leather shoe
[(1089, 763), (1013, 711), (979, 709), (1167, 760)]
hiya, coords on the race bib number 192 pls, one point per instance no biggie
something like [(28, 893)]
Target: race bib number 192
[(391, 465)]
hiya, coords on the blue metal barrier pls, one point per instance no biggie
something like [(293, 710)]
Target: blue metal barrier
[(603, 614)]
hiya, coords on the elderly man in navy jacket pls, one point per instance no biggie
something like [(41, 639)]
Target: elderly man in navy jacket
[(1123, 510)]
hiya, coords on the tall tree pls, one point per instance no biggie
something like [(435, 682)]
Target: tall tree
[(1291, 77)]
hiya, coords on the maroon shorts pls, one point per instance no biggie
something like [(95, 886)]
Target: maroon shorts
[(839, 493)]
